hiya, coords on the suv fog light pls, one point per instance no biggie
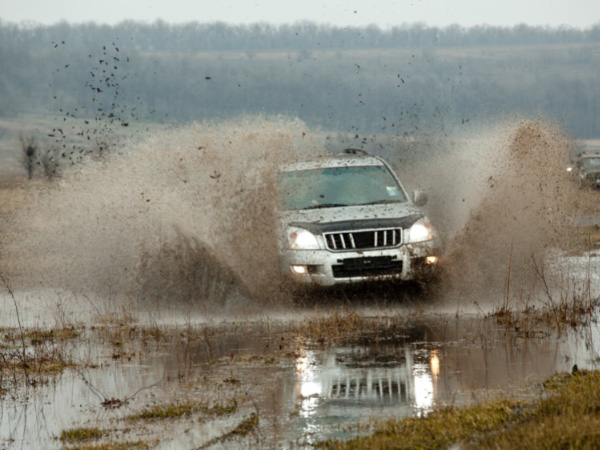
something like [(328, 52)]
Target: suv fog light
[(431, 260), (299, 269)]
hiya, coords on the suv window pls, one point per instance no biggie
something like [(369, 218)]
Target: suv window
[(591, 162), (339, 186)]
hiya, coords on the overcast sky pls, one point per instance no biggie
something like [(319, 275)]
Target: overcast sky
[(384, 13)]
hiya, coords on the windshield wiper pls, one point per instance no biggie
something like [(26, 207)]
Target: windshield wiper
[(380, 202), (325, 205)]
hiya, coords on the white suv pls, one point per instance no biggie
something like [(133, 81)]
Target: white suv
[(347, 219)]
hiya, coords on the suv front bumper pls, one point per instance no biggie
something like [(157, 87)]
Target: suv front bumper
[(328, 268)]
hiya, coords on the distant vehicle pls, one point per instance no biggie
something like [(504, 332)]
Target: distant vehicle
[(587, 167), (346, 219)]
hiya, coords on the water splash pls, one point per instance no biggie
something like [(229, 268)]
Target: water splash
[(188, 214), (528, 204), (184, 214)]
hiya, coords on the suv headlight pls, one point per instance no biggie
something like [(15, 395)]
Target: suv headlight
[(420, 231), (301, 239)]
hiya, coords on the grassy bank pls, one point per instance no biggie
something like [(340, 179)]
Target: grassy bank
[(566, 415)]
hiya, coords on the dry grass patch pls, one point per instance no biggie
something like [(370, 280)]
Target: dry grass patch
[(13, 337), (81, 434), (50, 335), (567, 415), (41, 360), (138, 445), (175, 410), (161, 412)]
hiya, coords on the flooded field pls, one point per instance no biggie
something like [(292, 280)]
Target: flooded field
[(288, 380), (140, 303)]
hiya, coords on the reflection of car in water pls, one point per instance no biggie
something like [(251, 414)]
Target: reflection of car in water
[(347, 218), (587, 166), (348, 381)]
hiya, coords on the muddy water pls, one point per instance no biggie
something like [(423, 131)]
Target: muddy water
[(403, 364)]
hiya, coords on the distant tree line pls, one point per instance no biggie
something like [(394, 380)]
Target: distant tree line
[(192, 37), (401, 81)]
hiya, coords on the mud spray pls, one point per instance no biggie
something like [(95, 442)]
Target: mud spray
[(183, 215), (188, 215), (512, 205)]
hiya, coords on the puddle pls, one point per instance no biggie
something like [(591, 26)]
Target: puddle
[(302, 390), (337, 388)]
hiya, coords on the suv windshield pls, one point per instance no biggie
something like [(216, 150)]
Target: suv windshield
[(339, 186), (589, 163)]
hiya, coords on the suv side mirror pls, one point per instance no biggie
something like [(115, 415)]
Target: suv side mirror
[(420, 197)]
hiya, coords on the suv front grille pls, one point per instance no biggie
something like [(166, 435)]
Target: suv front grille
[(363, 239)]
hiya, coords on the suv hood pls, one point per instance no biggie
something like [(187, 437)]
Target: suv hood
[(360, 213)]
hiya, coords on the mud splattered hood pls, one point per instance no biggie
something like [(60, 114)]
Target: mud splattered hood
[(364, 216)]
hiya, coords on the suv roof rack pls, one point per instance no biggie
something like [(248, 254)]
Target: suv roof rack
[(355, 151)]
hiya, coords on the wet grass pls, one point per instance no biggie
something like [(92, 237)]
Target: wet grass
[(31, 355), (161, 412), (81, 434), (76, 438), (245, 426), (38, 335), (242, 429), (220, 410), (138, 445), (529, 320), (36, 350), (34, 362), (174, 410), (566, 415)]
